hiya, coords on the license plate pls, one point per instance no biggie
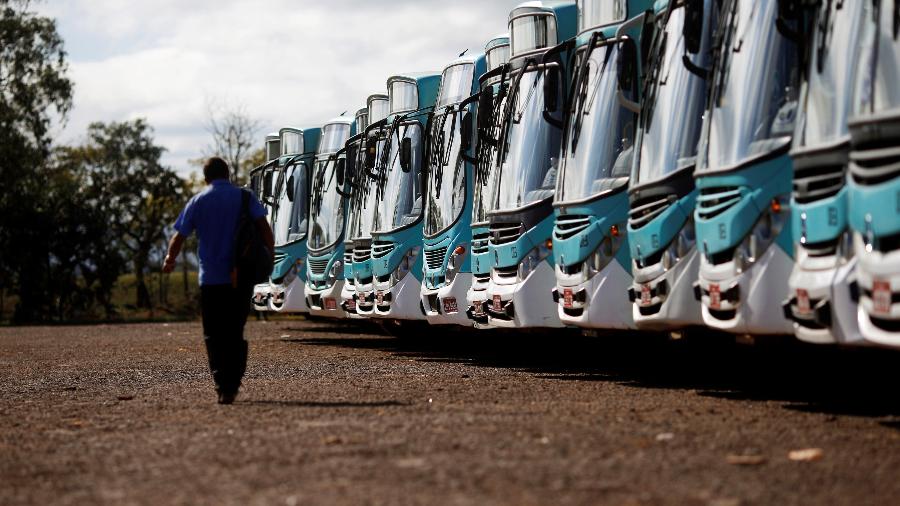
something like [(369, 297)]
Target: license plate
[(568, 298), (715, 296), (498, 303), (450, 305), (803, 306), (330, 303), (351, 304), (379, 298), (645, 294), (478, 307), (881, 296)]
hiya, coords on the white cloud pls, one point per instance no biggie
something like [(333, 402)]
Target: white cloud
[(287, 62)]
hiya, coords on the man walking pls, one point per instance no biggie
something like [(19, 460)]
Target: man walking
[(224, 298)]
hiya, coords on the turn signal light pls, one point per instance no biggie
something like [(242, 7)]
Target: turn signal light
[(776, 206), (459, 250), (614, 231), (549, 243)]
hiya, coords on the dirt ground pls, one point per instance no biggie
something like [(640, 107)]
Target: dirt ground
[(339, 414)]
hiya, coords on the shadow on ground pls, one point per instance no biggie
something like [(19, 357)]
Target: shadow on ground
[(312, 404), (821, 379)]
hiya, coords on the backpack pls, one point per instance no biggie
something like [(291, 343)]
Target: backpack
[(252, 259)]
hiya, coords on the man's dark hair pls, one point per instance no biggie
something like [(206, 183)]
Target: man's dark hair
[(215, 168)]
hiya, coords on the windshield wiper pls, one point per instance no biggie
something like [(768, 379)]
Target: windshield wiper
[(387, 163), (440, 148), (721, 58), (319, 183), (652, 81), (581, 103), (489, 135), (511, 106)]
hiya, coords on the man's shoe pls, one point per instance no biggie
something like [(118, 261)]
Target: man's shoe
[(227, 398)]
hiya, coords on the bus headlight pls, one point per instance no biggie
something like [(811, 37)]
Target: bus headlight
[(844, 251), (455, 262), (681, 246), (409, 259), (292, 272), (533, 259), (336, 268), (763, 234), (605, 252)]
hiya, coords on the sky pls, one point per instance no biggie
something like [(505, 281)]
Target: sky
[(296, 63)]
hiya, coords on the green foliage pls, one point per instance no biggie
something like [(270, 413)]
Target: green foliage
[(137, 194), (33, 84), (72, 219)]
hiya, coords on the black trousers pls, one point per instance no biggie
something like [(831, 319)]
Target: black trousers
[(225, 309)]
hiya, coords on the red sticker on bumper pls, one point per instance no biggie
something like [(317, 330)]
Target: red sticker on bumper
[(715, 296), (645, 294), (450, 305), (803, 306), (881, 296)]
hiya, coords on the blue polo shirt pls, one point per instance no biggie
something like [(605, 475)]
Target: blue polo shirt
[(214, 213)]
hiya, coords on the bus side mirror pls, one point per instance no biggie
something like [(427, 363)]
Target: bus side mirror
[(371, 150), (267, 184), (465, 132), (290, 188), (485, 109), (692, 29), (339, 167), (627, 65), (406, 154), (551, 88)]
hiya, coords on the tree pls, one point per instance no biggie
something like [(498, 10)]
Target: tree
[(233, 134), (140, 195), (33, 86), (255, 159)]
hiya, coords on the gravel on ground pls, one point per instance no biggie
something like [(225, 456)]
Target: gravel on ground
[(338, 413)]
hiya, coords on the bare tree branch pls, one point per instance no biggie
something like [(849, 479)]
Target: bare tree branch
[(234, 133)]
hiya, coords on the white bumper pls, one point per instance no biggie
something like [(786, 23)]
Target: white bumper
[(819, 286), (399, 302), (677, 308), (450, 301), (365, 296), (326, 302), (290, 298), (599, 303), (476, 297), (260, 299), (526, 303), (761, 290), (878, 275), (348, 301)]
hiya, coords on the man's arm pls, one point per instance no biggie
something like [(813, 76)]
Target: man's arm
[(175, 245), (266, 232)]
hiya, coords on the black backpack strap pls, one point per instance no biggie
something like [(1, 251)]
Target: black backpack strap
[(245, 202)]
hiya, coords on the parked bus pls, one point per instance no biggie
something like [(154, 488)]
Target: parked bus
[(396, 250), (819, 302), (661, 235), (448, 197), (744, 173), (521, 218), (327, 220), (874, 182), (494, 86)]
